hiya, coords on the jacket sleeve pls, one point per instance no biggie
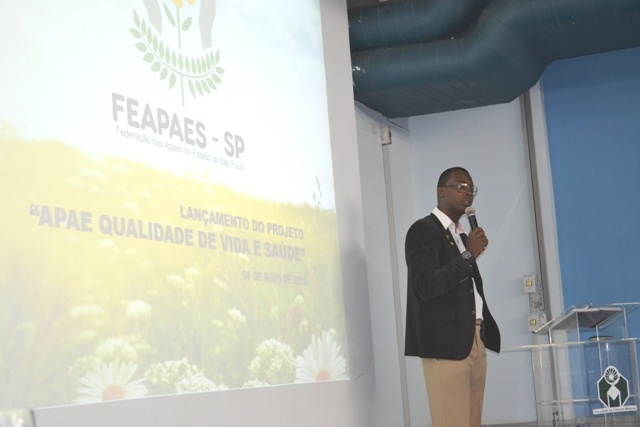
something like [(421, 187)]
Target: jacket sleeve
[(435, 266)]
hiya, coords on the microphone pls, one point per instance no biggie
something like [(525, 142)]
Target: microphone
[(471, 216)]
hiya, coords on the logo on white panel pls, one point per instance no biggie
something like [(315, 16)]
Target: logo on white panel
[(613, 392), (176, 54)]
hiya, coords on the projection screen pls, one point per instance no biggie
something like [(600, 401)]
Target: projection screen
[(169, 222)]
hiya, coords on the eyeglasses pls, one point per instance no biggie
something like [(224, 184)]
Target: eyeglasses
[(463, 187)]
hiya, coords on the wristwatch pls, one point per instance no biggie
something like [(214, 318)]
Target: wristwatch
[(467, 256)]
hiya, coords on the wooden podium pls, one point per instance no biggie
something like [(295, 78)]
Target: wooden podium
[(585, 368)]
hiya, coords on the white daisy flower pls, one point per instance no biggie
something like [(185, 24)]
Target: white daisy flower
[(321, 361), (110, 382)]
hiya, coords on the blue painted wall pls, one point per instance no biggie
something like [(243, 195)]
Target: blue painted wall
[(592, 107)]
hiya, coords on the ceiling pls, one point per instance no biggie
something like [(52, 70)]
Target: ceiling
[(415, 57)]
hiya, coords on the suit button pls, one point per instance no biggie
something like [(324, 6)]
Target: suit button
[(473, 312), (470, 291)]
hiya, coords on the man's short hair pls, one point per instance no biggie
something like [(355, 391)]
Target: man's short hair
[(444, 176)]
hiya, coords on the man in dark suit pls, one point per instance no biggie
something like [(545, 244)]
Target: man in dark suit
[(449, 324)]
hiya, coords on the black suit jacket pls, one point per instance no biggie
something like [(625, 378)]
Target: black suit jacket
[(440, 299)]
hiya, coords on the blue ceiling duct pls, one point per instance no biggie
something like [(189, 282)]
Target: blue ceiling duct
[(414, 57), (398, 23)]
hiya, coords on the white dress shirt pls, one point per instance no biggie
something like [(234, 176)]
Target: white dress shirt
[(456, 230)]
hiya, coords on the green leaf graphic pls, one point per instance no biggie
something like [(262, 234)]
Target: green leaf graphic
[(201, 72), (167, 12), (186, 24), (205, 86)]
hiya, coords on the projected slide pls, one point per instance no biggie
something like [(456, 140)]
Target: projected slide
[(168, 219)]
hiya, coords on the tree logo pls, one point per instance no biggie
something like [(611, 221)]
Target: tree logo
[(199, 71), (613, 392)]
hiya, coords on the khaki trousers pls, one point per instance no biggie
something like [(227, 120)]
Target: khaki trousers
[(456, 387)]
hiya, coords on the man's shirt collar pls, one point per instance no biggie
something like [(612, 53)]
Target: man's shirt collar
[(447, 223)]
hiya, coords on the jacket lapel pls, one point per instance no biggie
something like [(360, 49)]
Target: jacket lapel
[(451, 242)]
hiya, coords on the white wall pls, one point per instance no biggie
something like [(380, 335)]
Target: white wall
[(388, 350), (490, 143)]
